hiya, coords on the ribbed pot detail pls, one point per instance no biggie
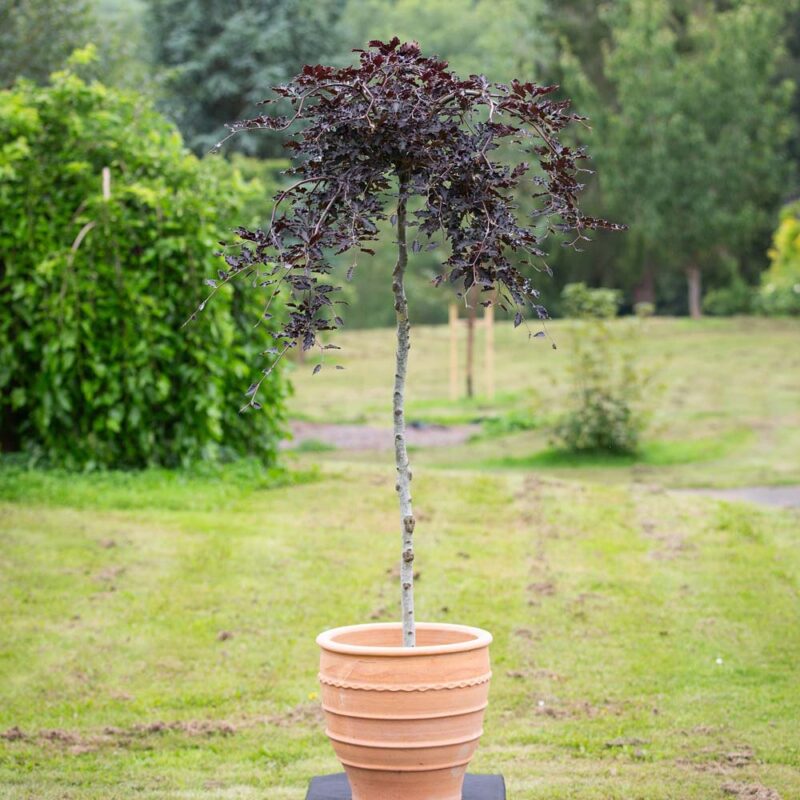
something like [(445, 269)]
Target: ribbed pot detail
[(405, 722)]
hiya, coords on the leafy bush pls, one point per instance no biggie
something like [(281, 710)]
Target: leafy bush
[(780, 284), (736, 298), (581, 302), (602, 421), (779, 301), (606, 407), (644, 309), (95, 369)]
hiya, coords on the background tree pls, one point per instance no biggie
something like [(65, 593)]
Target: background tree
[(223, 56), (37, 36), (210, 62), (792, 72), (124, 52), (694, 142), (496, 38)]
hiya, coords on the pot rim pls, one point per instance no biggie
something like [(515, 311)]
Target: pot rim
[(480, 638)]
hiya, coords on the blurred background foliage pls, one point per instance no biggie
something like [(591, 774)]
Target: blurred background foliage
[(96, 281), (692, 103), (780, 284), (221, 58), (694, 133)]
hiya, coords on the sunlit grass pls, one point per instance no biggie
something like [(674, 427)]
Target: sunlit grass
[(656, 454), (159, 643), (158, 627)]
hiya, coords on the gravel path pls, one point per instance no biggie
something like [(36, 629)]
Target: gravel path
[(775, 496), (368, 437)]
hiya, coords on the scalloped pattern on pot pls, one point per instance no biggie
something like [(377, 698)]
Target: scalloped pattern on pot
[(405, 687)]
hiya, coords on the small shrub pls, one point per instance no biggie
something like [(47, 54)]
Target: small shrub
[(736, 298), (606, 406), (600, 422), (580, 302), (779, 301)]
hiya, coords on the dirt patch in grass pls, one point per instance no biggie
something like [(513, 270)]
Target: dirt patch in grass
[(672, 546), (740, 757), (536, 674), (370, 437), (543, 588), (633, 741), (722, 762), (773, 496), (190, 728), (109, 574), (749, 791), (78, 742), (670, 542), (304, 714), (575, 709)]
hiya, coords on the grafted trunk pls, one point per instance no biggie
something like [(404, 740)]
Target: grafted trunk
[(695, 286), (400, 451)]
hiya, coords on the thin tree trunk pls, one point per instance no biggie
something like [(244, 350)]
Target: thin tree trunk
[(472, 298), (694, 282), (645, 289), (400, 451)]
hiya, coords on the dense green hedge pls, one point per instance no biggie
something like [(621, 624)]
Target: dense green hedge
[(95, 369)]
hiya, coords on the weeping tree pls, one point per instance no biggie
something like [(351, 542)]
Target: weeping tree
[(400, 136)]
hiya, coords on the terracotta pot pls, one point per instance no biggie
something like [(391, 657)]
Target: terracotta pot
[(404, 721)]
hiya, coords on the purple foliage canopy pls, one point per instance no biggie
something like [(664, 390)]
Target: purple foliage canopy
[(401, 116)]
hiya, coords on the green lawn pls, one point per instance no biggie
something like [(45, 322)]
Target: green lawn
[(158, 628), (726, 407)]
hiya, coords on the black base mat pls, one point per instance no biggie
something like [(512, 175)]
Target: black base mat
[(476, 787)]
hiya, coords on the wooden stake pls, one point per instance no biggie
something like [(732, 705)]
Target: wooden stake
[(453, 321), (472, 316), (488, 321), (106, 184)]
